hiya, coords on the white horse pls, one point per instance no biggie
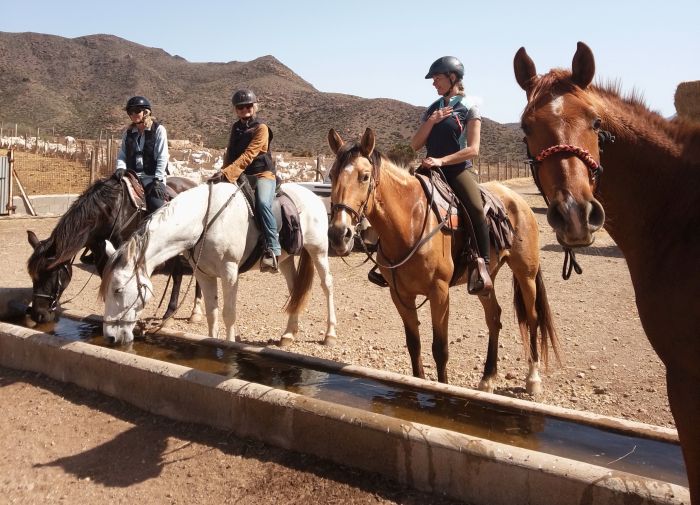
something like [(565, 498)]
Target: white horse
[(230, 238)]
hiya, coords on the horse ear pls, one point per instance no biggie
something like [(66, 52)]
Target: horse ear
[(334, 141), (109, 249), (367, 143), (583, 66), (33, 239), (525, 71)]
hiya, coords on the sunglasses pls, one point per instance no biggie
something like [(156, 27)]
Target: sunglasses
[(135, 111), (244, 106)]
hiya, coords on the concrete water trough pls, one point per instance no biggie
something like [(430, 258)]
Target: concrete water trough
[(437, 457)]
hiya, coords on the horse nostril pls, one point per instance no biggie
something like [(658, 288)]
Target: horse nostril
[(596, 215), (555, 217), (348, 234), (111, 340)]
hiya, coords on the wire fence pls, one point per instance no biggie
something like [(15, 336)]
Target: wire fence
[(47, 164)]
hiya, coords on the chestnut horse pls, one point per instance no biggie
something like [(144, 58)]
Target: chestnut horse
[(364, 183), (650, 191)]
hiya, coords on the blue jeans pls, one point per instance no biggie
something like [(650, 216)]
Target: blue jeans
[(264, 196)]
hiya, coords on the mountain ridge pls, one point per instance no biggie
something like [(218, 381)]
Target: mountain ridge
[(79, 86)]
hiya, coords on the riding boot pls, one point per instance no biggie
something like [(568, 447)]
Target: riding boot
[(480, 282), (269, 262), (375, 277)]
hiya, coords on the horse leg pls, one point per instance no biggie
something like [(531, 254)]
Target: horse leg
[(324, 274), (229, 285), (524, 298), (211, 303), (440, 313), (198, 307), (287, 268), (492, 314), (176, 274), (682, 389), (409, 316)]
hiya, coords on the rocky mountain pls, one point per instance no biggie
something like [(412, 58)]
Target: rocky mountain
[(79, 86)]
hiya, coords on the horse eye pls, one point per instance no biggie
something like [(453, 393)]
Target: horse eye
[(365, 178), (118, 291), (596, 123)]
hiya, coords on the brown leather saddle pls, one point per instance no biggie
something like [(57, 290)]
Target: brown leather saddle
[(286, 216), (137, 193), (447, 207)]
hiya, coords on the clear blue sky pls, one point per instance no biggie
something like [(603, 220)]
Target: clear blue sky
[(384, 48)]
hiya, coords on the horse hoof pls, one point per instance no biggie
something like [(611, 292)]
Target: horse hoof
[(286, 341), (330, 340), (195, 318), (486, 386), (167, 323), (534, 388)]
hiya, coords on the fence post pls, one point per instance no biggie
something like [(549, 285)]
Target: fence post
[(93, 162)]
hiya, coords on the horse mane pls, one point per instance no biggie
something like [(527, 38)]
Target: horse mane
[(681, 133), (133, 249), (73, 228)]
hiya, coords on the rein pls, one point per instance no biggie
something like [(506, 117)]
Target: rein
[(595, 170)]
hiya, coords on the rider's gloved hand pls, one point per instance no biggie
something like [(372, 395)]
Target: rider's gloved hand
[(119, 173), (158, 189), (217, 177)]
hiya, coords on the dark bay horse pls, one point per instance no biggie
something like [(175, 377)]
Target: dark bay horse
[(365, 183), (648, 199), (103, 211)]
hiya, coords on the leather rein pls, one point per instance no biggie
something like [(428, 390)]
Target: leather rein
[(595, 170)]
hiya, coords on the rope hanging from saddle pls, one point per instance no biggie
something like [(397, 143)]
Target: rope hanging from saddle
[(595, 170)]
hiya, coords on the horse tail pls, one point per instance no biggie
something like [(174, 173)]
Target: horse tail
[(545, 319), (303, 280)]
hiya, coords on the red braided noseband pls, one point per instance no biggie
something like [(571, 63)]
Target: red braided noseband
[(579, 152)]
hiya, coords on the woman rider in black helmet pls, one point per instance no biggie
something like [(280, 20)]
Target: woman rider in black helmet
[(451, 133)]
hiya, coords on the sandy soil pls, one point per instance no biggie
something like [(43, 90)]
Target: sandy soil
[(66, 445)]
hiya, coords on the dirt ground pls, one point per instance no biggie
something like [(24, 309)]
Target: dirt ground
[(62, 444)]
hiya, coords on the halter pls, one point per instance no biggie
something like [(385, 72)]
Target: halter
[(595, 170), (53, 298)]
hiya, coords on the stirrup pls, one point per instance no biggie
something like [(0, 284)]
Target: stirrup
[(375, 277), (268, 263), (479, 280)]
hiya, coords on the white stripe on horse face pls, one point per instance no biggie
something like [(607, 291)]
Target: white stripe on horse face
[(557, 105), (349, 168)]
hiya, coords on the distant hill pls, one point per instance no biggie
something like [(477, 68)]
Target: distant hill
[(79, 86)]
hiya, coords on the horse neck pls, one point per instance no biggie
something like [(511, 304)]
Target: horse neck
[(647, 186), (397, 209)]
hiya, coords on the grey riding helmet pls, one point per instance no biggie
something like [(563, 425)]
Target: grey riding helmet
[(446, 65), (138, 102), (244, 97)]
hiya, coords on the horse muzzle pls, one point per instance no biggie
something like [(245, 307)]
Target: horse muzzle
[(574, 222), (340, 238)]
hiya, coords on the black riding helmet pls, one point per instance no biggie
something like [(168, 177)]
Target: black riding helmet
[(244, 97), (446, 65), (138, 102)]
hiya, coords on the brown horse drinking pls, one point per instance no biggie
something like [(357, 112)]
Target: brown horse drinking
[(650, 191), (366, 183)]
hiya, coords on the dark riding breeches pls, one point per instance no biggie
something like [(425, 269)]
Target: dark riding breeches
[(464, 184)]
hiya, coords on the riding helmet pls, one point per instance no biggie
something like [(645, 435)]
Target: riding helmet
[(244, 97), (136, 102), (446, 65)]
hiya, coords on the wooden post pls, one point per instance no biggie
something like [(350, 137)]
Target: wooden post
[(93, 162), (24, 195), (318, 177)]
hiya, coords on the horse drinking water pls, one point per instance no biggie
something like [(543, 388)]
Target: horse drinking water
[(215, 222), (648, 199), (103, 211), (366, 184)]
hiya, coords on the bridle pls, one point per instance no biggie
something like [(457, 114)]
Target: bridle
[(359, 215), (53, 298), (141, 288), (595, 170)]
